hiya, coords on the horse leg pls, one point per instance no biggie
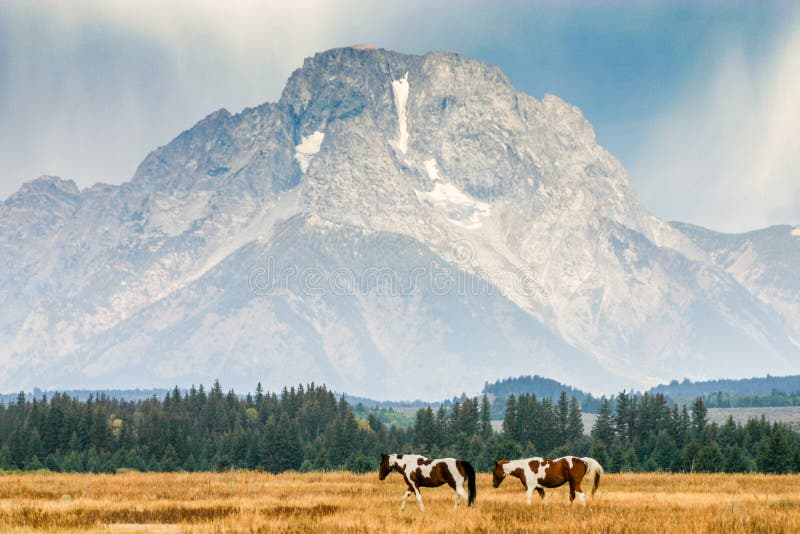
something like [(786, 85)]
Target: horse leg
[(419, 498), (576, 491), (405, 499), (461, 495), (540, 491)]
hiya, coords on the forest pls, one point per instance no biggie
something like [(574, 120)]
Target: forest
[(307, 428)]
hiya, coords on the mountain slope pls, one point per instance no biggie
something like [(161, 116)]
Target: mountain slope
[(766, 262), (396, 225)]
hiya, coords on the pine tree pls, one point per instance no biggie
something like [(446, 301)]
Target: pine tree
[(282, 448), (734, 460), (486, 418), (776, 454), (709, 458), (544, 434), (664, 451), (690, 452), (562, 418), (574, 422), (603, 430), (622, 417), (510, 419), (424, 439), (681, 425), (442, 427), (699, 418), (727, 435)]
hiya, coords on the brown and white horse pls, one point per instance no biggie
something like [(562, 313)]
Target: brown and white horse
[(421, 472), (539, 473)]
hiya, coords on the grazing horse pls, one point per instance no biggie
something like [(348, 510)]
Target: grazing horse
[(421, 472), (539, 473)]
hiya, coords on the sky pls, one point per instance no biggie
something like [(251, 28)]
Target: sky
[(699, 100)]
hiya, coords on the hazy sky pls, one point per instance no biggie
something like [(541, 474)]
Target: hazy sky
[(698, 100)]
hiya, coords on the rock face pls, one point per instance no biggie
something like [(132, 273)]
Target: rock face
[(396, 226)]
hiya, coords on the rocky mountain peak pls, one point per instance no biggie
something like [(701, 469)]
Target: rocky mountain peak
[(48, 184)]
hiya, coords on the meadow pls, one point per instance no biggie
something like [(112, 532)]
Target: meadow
[(246, 501)]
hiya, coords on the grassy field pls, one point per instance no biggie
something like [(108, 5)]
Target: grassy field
[(345, 502)]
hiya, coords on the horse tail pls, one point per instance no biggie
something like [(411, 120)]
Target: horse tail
[(470, 472), (593, 472)]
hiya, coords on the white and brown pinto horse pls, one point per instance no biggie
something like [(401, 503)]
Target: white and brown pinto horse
[(539, 473), (421, 472)]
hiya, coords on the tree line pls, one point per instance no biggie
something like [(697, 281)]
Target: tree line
[(647, 434), (308, 428), (760, 386)]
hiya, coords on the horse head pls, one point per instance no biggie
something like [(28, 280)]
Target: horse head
[(385, 467), (498, 473)]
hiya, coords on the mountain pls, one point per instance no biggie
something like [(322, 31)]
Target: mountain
[(765, 262), (398, 226)]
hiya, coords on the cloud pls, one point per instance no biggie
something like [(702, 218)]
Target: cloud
[(87, 88), (727, 154), (91, 86)]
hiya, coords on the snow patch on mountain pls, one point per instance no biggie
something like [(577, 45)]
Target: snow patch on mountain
[(306, 150), (461, 209), (796, 231), (400, 90), (432, 169)]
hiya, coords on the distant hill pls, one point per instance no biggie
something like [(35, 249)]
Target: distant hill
[(743, 387), (374, 403), (775, 391), (83, 394), (537, 385)]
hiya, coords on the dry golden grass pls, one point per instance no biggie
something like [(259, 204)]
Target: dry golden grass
[(345, 502)]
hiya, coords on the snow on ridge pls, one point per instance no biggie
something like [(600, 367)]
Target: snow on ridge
[(796, 231), (400, 90), (457, 206), (432, 169), (309, 146)]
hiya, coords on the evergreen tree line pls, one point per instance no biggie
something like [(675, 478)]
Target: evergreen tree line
[(647, 434), (303, 428), (688, 389), (732, 400), (308, 428)]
